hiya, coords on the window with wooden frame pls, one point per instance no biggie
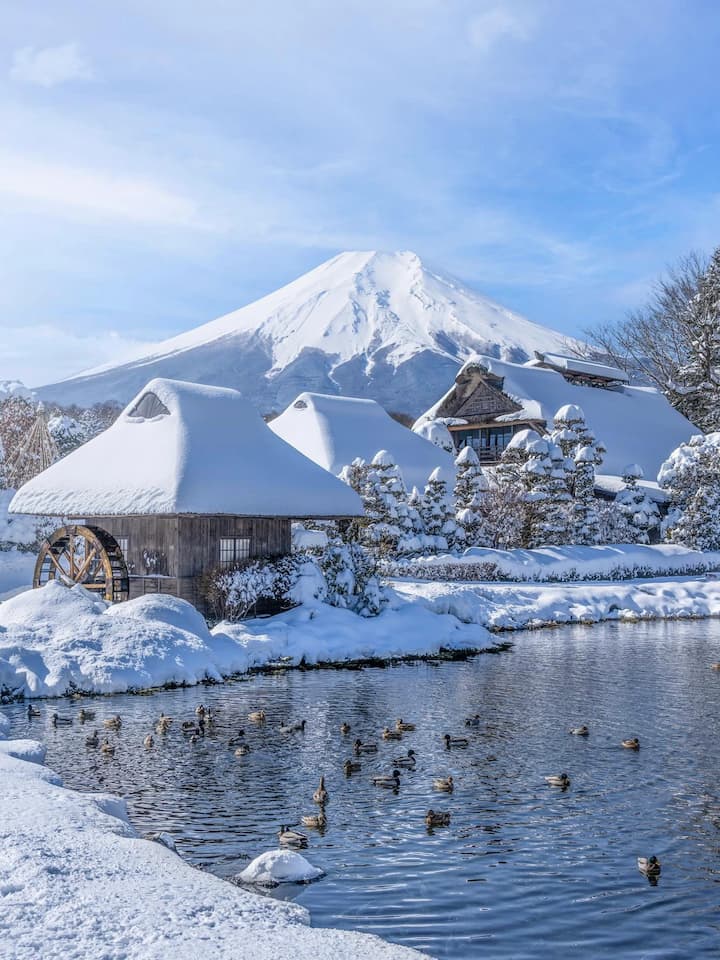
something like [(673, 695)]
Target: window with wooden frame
[(233, 549)]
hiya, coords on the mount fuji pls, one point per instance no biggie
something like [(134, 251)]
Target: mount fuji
[(366, 324)]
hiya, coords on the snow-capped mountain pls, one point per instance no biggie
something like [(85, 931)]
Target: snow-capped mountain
[(378, 325)]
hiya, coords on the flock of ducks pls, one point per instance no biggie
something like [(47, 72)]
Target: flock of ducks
[(289, 837)]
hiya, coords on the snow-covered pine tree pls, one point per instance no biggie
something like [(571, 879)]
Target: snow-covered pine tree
[(414, 512), (67, 432), (586, 520), (471, 487), (437, 508), (691, 478), (639, 511), (700, 374)]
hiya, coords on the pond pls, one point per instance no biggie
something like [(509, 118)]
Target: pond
[(522, 867)]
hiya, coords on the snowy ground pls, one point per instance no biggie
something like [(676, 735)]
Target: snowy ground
[(77, 882), (16, 572)]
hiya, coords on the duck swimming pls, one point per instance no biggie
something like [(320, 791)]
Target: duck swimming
[(148, 741), (257, 716), (291, 838), (236, 741), (316, 821), (473, 721), (113, 723), (58, 721), (406, 761), (32, 711), (345, 728), (444, 783), (389, 734), (350, 767), (321, 794), (580, 731), (392, 780), (436, 818), (650, 866), (107, 748), (404, 727), (455, 741), (360, 747), (93, 740), (561, 780), (632, 744), (86, 715), (298, 727)]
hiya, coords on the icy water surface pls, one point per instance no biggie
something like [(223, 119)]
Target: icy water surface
[(523, 870)]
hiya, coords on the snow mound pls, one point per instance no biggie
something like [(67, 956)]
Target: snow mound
[(279, 866)]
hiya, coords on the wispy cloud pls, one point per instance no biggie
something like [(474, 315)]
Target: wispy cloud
[(499, 23), (50, 66)]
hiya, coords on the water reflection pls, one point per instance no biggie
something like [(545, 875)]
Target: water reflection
[(522, 868)]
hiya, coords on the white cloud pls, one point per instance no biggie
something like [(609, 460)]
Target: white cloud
[(497, 23), (49, 66), (96, 192)]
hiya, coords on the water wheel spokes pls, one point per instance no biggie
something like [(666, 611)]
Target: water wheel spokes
[(84, 555)]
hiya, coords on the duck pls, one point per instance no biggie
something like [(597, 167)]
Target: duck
[(455, 741), (236, 741), (194, 731), (86, 715), (345, 728), (561, 780), (257, 716), (437, 818), (407, 761), (715, 666), (107, 748), (350, 767), (650, 866), (632, 744), (404, 727), (317, 821), (360, 747), (298, 727), (32, 711), (148, 741), (444, 783), (208, 717), (113, 723), (195, 738), (242, 750), (200, 710), (58, 721), (473, 721), (162, 727), (580, 731), (321, 794), (93, 740), (188, 725), (389, 734), (291, 838), (392, 780)]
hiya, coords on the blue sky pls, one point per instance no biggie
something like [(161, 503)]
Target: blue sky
[(165, 162)]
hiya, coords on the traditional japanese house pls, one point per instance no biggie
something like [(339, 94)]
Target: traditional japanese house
[(188, 478)]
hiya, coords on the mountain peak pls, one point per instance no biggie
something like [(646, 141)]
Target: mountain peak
[(365, 323)]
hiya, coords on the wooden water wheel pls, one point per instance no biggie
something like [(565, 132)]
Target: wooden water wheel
[(86, 555)]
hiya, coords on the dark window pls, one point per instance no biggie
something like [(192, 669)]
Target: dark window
[(233, 549), (124, 544)]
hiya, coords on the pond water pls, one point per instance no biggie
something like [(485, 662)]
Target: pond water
[(523, 869)]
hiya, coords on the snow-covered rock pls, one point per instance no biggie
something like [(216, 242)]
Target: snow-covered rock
[(378, 325), (279, 866)]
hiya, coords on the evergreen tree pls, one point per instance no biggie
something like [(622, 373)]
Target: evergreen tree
[(437, 509), (587, 521), (639, 511), (700, 373), (691, 478), (469, 494)]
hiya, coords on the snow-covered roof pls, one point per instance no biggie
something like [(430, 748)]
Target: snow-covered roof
[(333, 431), (636, 424), (191, 449), (575, 365)]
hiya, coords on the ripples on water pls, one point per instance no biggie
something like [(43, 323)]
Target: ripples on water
[(523, 870)]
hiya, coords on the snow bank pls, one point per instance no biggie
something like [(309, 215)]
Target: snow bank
[(504, 606), (16, 572), (279, 866), (618, 561), (57, 639), (78, 882)]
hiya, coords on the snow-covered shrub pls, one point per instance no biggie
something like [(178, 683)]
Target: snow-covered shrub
[(67, 432), (639, 511), (471, 486), (436, 431), (691, 478), (236, 591), (436, 510), (351, 579)]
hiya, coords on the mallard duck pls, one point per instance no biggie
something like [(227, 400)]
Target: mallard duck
[(650, 866), (350, 767), (406, 761), (193, 731), (208, 717), (236, 741), (194, 738), (632, 744), (113, 723), (360, 747), (321, 794), (291, 838), (389, 734), (715, 666), (444, 783), (200, 710), (345, 728), (317, 821), (404, 727), (580, 731), (298, 727), (148, 741), (162, 727), (392, 780), (93, 740), (242, 750), (107, 748), (437, 818), (473, 721), (455, 741), (188, 725), (58, 721), (561, 780), (32, 711), (257, 716), (86, 715)]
